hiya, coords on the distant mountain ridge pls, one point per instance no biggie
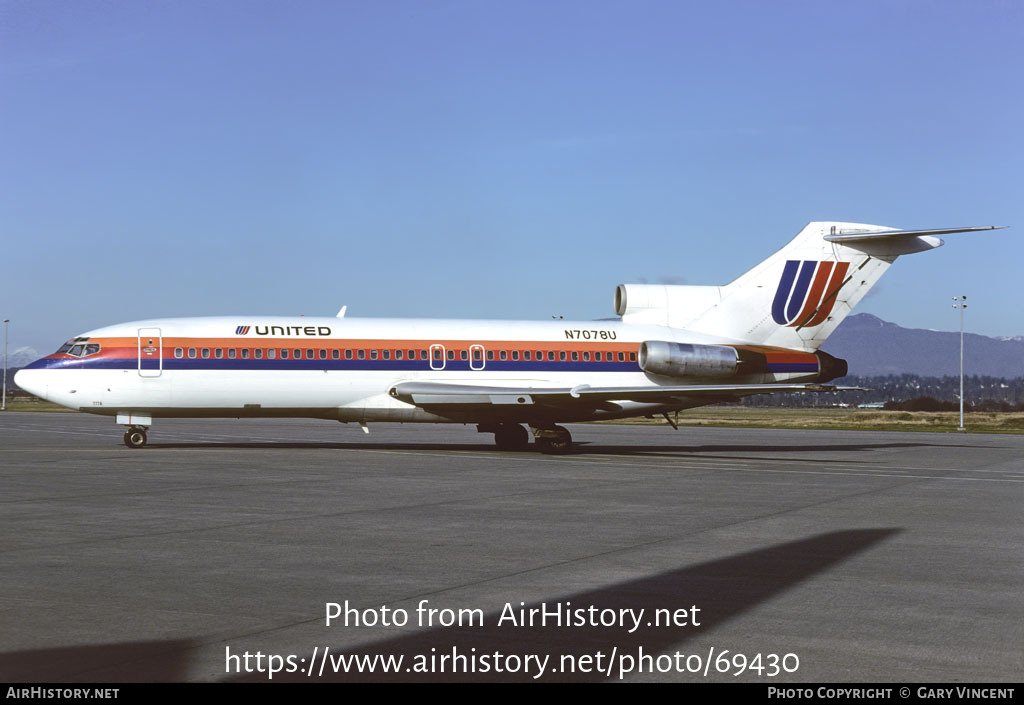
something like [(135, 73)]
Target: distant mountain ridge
[(19, 357), (874, 347)]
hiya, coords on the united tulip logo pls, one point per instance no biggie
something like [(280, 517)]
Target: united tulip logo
[(807, 292)]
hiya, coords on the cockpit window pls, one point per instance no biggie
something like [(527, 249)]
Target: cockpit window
[(78, 347)]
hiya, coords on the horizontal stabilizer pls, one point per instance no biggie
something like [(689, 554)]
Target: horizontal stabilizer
[(877, 235)]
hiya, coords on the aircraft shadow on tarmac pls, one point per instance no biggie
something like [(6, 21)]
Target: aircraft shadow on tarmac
[(674, 451), (124, 662), (579, 448), (722, 589)]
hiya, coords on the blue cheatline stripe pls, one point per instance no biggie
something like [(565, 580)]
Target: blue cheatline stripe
[(796, 301), (782, 293), (336, 365), (793, 367), (364, 365)]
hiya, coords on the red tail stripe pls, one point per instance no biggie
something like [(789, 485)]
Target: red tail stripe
[(838, 276)]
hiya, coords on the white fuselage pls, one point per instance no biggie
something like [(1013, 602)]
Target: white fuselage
[(343, 369)]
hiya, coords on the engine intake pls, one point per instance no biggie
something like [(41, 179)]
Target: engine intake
[(685, 360)]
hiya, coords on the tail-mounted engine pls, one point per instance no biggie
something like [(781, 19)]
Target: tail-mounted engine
[(753, 363), (684, 360)]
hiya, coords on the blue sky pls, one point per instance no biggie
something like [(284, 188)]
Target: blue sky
[(499, 160)]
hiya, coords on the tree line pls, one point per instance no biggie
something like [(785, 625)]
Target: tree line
[(981, 393)]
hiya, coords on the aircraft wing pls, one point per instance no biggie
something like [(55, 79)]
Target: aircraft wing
[(434, 394)]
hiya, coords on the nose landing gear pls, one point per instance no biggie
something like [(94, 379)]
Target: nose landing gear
[(136, 424), (135, 437)]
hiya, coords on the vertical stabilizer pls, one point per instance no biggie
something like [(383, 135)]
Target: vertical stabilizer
[(795, 298)]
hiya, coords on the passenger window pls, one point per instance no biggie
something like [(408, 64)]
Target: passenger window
[(398, 354), (245, 353), (622, 357), (597, 356), (586, 356), (476, 354), (373, 354), (348, 354), (437, 353), (463, 354), (490, 354), (515, 354), (451, 354), (362, 354), (309, 353), (258, 353), (503, 355), (322, 353), (526, 354), (179, 353), (423, 355), (575, 356), (561, 355), (192, 353), (284, 353), (298, 354), (540, 355), (632, 357), (206, 353), (271, 353), (412, 354), (386, 354), (231, 353), (218, 353), (335, 354)]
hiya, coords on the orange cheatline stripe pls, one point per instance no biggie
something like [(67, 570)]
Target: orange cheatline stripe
[(355, 343), (127, 348)]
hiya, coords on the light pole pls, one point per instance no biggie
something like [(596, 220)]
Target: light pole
[(3, 405), (960, 302)]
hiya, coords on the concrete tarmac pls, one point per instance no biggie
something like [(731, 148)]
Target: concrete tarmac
[(814, 555)]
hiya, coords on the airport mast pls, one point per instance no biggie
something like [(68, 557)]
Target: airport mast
[(961, 303), (3, 405)]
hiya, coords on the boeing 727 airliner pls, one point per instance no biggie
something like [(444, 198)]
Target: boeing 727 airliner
[(673, 348)]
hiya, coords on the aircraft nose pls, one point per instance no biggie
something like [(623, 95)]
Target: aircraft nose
[(32, 381)]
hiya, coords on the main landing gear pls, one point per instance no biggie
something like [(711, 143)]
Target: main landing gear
[(555, 439), (514, 437), (135, 437), (511, 436)]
